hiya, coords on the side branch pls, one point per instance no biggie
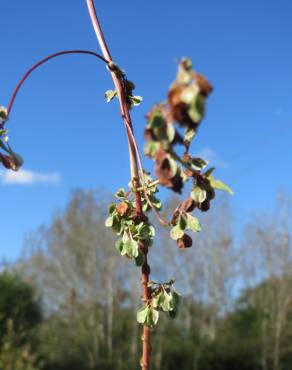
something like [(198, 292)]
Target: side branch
[(43, 61)]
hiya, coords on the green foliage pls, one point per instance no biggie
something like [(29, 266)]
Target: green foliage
[(132, 227), (17, 303), (14, 355), (164, 298), (128, 87)]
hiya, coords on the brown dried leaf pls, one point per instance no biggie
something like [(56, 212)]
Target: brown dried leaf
[(122, 209), (185, 242), (203, 83)]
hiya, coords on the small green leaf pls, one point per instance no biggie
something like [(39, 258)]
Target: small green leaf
[(148, 316), (142, 315), (121, 193), (176, 232), (198, 194), (131, 248), (189, 135), (167, 304), (218, 184), (182, 222), (156, 120), (158, 300), (197, 109), (110, 94), (140, 259), (156, 202), (135, 100), (170, 132), (119, 245), (109, 221), (193, 223), (190, 94), (199, 163), (145, 231), (151, 148), (111, 208), (209, 172), (152, 317), (117, 224), (173, 166)]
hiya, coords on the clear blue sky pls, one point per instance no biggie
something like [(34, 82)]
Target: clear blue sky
[(71, 138)]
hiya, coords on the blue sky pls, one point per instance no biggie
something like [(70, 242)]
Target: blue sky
[(70, 138)]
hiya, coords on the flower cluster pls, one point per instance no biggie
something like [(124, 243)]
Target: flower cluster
[(9, 158)]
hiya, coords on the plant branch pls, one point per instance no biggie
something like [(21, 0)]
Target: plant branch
[(43, 61), (134, 164)]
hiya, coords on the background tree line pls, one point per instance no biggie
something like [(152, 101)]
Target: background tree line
[(69, 302)]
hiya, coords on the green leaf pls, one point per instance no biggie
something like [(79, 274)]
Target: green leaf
[(189, 135), (131, 248), (168, 303), (119, 245), (109, 221), (148, 316), (218, 184), (135, 100), (198, 194), (158, 300), (184, 75), (173, 166), (182, 222), (151, 148), (170, 132), (110, 94), (190, 94), (121, 193), (142, 315), (145, 231), (111, 208), (140, 259), (156, 120), (172, 314), (152, 317), (176, 232), (197, 109), (199, 163), (156, 202), (209, 172), (117, 224), (193, 223)]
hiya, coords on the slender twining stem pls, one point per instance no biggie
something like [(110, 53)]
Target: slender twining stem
[(43, 61), (134, 164)]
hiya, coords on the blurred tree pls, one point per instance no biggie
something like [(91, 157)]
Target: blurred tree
[(18, 303), (14, 355)]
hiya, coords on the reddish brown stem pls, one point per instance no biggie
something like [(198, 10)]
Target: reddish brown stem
[(43, 61), (133, 151)]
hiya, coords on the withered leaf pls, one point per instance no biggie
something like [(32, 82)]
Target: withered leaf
[(203, 83), (185, 242), (122, 208)]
